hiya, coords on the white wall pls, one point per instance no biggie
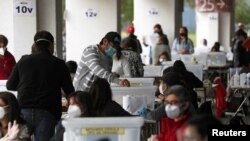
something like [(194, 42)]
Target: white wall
[(207, 26), (169, 16), (144, 22), (82, 31), (19, 29)]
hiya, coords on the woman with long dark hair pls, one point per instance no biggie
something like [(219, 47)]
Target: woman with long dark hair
[(10, 114), (103, 105), (182, 44)]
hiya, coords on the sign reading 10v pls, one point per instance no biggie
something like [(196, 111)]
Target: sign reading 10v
[(24, 8)]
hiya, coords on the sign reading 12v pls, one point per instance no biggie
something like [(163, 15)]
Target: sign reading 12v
[(24, 8), (91, 13), (213, 5)]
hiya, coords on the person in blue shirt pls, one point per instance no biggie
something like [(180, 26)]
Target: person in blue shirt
[(182, 44)]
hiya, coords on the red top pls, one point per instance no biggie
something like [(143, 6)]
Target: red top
[(169, 128), (6, 65)]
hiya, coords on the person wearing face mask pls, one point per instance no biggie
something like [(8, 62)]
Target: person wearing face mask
[(153, 40), (168, 80), (96, 62), (7, 60), (12, 126), (39, 78), (177, 106), (164, 56), (80, 105), (159, 49), (182, 44)]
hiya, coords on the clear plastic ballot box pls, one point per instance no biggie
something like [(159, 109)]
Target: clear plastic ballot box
[(96, 129), (144, 92)]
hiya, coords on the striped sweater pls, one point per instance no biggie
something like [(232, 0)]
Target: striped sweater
[(93, 64)]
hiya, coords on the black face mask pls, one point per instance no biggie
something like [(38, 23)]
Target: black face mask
[(183, 34)]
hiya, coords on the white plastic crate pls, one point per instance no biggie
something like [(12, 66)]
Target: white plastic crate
[(152, 71), (147, 92), (95, 129)]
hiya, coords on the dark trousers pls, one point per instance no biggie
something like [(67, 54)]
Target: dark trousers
[(41, 123)]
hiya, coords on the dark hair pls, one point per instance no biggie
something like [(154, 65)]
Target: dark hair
[(186, 31), (216, 47), (72, 66), (4, 40), (129, 44), (163, 53), (160, 28), (84, 100), (13, 106), (101, 94), (180, 92), (179, 66), (167, 70), (43, 40), (118, 49), (118, 52), (202, 123), (241, 33)]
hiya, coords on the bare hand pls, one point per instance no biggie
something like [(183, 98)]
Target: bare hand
[(152, 138), (13, 131)]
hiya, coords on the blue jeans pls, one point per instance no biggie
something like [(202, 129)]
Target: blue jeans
[(40, 123)]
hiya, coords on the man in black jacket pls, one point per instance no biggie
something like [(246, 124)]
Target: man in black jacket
[(38, 78)]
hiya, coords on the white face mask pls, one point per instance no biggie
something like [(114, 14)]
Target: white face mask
[(74, 111), (2, 111), (161, 89), (2, 51), (172, 111)]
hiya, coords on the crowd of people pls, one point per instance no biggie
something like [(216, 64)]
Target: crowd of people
[(41, 80)]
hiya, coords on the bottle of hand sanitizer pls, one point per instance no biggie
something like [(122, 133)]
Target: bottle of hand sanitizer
[(236, 79)]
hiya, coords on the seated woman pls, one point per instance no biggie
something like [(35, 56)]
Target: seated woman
[(177, 108), (162, 57), (80, 105), (12, 126), (168, 80), (103, 105)]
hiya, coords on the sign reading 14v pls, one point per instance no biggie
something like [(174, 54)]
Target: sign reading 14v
[(24, 8)]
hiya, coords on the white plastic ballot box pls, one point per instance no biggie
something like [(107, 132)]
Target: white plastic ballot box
[(96, 129)]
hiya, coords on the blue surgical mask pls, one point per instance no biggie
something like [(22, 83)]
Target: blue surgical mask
[(110, 51)]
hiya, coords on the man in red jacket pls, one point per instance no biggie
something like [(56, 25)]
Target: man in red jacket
[(7, 61)]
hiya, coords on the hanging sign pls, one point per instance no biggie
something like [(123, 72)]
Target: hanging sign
[(91, 13), (153, 12), (24, 8), (213, 5)]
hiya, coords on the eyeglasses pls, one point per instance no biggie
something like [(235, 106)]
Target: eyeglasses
[(174, 102)]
